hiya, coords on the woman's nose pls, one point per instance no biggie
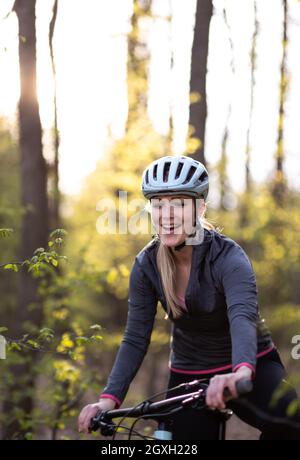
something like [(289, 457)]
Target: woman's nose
[(167, 211)]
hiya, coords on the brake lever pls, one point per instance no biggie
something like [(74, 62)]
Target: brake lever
[(107, 426)]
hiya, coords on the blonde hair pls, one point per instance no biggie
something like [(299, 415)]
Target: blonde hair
[(167, 270)]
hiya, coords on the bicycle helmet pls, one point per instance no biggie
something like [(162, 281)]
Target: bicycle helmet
[(172, 176)]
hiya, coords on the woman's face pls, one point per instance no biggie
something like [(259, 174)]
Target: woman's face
[(173, 218)]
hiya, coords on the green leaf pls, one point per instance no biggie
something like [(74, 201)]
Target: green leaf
[(47, 331), (3, 329), (57, 233), (96, 327), (33, 343), (46, 335), (97, 338), (34, 267), (72, 355), (14, 346), (5, 232), (54, 262), (12, 267), (81, 340), (39, 250)]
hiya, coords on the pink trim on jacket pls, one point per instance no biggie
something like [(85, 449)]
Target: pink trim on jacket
[(223, 368), (209, 371), (114, 398), (245, 365), (263, 353)]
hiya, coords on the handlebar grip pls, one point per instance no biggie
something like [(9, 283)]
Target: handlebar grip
[(243, 386)]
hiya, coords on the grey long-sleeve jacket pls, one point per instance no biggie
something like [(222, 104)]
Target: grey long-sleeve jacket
[(221, 328)]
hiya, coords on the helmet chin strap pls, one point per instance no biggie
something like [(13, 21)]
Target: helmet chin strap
[(194, 238), (181, 245)]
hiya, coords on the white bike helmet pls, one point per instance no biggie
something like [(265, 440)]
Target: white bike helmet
[(174, 175)]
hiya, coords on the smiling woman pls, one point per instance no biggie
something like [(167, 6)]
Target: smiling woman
[(207, 287), (177, 189)]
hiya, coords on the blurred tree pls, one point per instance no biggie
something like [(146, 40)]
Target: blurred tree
[(222, 164), (54, 192), (253, 57), (33, 165), (279, 185), (10, 217), (246, 198), (34, 201), (198, 105)]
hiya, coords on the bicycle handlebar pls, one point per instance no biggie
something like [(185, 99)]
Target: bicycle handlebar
[(154, 410), (243, 387)]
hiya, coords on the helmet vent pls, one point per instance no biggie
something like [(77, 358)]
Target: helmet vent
[(147, 177), (203, 176), (190, 174), (179, 168), (155, 172), (166, 171)]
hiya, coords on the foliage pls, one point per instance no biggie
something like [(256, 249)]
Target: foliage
[(61, 367)]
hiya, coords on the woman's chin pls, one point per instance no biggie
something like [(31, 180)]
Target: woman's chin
[(171, 239)]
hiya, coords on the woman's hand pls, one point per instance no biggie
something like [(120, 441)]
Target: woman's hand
[(215, 391), (90, 411)]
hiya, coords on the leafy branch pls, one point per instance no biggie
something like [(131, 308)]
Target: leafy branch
[(42, 259), (66, 345)]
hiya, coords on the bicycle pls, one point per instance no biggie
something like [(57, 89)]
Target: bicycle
[(161, 411)]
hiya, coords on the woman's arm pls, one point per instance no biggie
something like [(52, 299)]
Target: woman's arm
[(237, 278), (142, 307), (239, 285)]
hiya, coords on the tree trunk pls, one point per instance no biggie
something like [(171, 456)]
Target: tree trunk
[(33, 165), (279, 185), (34, 201), (223, 163), (246, 199), (54, 204), (198, 106), (253, 67)]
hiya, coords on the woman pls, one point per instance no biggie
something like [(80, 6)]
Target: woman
[(206, 284)]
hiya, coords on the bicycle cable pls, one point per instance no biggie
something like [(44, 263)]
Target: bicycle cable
[(167, 390)]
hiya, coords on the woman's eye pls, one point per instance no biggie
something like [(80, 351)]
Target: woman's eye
[(175, 204), (179, 204)]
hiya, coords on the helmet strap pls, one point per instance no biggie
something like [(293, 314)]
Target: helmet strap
[(192, 235)]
